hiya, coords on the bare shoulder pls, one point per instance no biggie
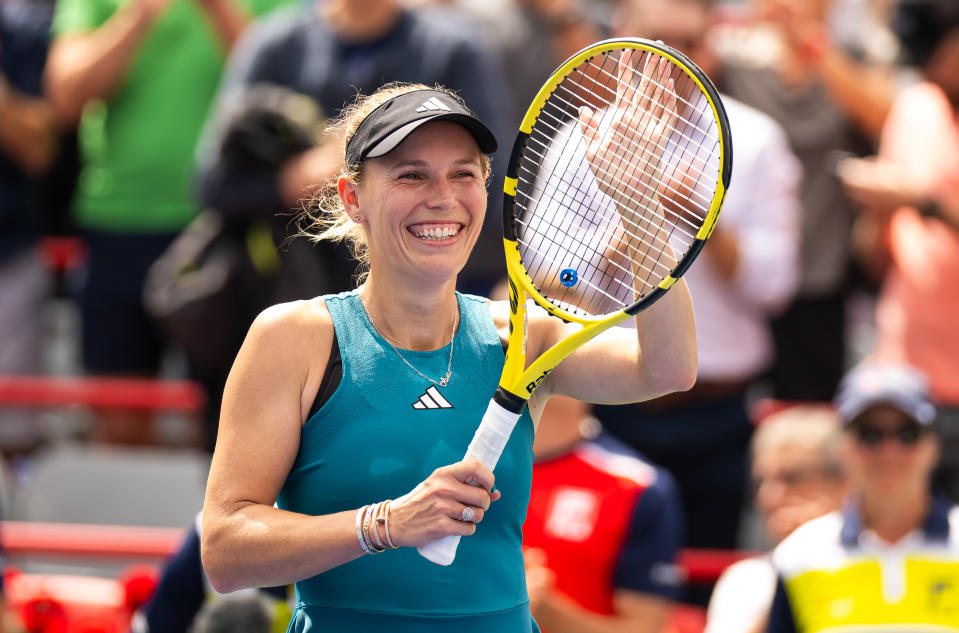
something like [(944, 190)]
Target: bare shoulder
[(291, 342), (300, 323)]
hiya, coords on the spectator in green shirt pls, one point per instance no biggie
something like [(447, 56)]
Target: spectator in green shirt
[(137, 78)]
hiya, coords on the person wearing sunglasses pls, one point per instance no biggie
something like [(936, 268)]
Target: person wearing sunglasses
[(890, 557)]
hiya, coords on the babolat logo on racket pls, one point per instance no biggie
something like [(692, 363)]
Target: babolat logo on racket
[(531, 386)]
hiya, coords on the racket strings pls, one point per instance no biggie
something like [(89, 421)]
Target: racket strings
[(530, 182), (652, 81), (642, 194), (665, 185), (688, 124), (611, 280), (564, 225), (634, 226), (614, 297), (658, 267), (686, 164), (637, 232), (644, 142), (556, 127)]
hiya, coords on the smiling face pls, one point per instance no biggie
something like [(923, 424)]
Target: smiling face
[(422, 205)]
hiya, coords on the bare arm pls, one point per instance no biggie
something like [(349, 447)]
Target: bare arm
[(870, 244), (880, 188), (227, 18), (246, 542), (863, 92), (723, 251), (90, 66), (27, 129), (303, 174)]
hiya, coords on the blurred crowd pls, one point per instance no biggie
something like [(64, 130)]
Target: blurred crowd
[(177, 139)]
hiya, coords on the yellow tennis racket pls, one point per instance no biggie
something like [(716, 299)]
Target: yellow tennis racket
[(614, 184)]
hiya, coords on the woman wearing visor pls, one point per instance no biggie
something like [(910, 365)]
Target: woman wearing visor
[(351, 412)]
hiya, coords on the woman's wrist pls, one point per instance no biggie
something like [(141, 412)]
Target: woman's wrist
[(373, 528)]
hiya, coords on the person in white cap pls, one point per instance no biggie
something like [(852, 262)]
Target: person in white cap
[(890, 559)]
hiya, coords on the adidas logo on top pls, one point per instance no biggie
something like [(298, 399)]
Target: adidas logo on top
[(432, 399), (433, 104)]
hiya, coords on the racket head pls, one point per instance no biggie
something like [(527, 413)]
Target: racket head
[(557, 215)]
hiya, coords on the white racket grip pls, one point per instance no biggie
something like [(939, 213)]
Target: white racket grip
[(486, 447)]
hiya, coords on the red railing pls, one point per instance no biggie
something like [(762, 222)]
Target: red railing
[(135, 393), (23, 539), (59, 540)]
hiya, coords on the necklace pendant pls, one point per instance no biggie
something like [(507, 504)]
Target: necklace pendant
[(445, 380)]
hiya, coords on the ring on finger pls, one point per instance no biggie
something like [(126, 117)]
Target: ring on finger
[(468, 514)]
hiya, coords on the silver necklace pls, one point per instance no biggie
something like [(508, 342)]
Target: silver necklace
[(442, 382)]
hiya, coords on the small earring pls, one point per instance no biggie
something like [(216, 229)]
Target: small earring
[(356, 217)]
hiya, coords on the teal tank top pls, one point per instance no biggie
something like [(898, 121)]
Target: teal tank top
[(380, 434)]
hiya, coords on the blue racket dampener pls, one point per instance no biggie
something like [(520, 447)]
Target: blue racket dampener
[(568, 277)]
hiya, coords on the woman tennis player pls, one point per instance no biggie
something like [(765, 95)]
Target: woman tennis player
[(352, 412)]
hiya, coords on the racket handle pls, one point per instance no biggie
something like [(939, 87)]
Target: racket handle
[(487, 446)]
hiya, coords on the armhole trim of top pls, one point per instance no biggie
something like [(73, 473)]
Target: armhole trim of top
[(331, 379)]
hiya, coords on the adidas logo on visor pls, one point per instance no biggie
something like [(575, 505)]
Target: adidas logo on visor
[(432, 399), (433, 104)]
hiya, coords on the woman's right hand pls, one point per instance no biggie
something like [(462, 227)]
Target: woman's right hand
[(434, 508), (641, 119)]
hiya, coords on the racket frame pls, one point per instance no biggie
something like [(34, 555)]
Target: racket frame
[(518, 382)]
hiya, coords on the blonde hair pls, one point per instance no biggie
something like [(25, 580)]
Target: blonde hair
[(812, 426), (323, 217)]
